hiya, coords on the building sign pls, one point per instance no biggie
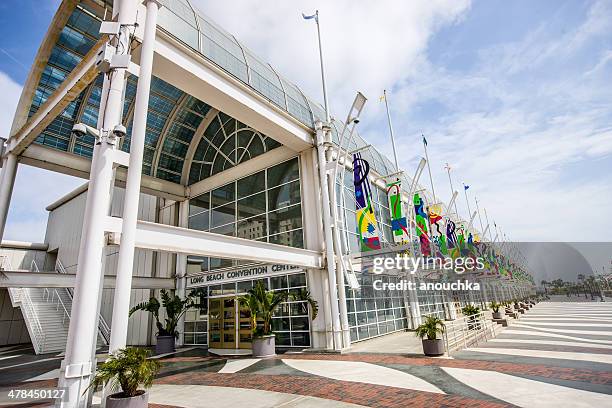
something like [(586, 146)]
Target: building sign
[(232, 275)]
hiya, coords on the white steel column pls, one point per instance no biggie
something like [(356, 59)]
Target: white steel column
[(125, 263), (327, 229), (320, 327), (9, 170), (181, 268), (77, 366), (344, 325)]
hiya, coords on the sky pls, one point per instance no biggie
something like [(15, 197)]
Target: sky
[(515, 96)]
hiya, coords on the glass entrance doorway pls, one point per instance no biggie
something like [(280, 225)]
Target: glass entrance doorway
[(230, 325)]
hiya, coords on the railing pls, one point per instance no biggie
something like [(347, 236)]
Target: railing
[(103, 327), (49, 296), (468, 331), (22, 296)]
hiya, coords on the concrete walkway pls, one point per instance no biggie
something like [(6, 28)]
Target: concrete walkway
[(400, 343), (201, 396)]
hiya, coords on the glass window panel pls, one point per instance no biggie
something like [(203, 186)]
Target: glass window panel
[(199, 203), (217, 263), (223, 195), (251, 184), (252, 228), (280, 324), (228, 229), (286, 219), (253, 205), (297, 280), (178, 27), (200, 221), (300, 339), (299, 323), (244, 286), (278, 282), (283, 339), (284, 195), (283, 173), (293, 239), (223, 215)]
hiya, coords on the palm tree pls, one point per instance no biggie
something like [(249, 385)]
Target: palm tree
[(175, 308), (262, 304), (304, 295)]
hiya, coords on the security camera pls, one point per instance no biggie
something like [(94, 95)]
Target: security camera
[(119, 131), (356, 120), (79, 130)]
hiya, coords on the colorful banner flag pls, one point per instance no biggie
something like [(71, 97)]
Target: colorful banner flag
[(367, 227), (421, 225), (398, 220)]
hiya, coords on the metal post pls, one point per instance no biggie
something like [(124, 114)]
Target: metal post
[(391, 131), (9, 171), (325, 101), (433, 192), (77, 366), (450, 181), (327, 229), (125, 263)]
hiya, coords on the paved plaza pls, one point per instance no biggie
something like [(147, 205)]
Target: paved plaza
[(557, 354)]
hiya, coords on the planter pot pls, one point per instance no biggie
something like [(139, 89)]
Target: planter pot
[(139, 401), (165, 344), (497, 315), (433, 347), (264, 346)]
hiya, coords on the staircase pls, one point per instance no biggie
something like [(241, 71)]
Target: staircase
[(46, 312)]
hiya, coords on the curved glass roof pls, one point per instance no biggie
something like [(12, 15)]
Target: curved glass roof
[(180, 127)]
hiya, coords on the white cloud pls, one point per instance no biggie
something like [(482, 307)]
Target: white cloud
[(368, 46), (34, 188)]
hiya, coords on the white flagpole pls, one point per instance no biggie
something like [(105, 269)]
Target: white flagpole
[(391, 131), (325, 102), (450, 181), (433, 192), (466, 199)]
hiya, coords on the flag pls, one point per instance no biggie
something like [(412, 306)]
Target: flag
[(447, 167), (465, 187), (424, 141), (381, 98), (311, 17)]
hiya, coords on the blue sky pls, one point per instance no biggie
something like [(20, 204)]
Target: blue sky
[(514, 95)]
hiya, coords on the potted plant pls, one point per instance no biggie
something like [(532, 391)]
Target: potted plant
[(496, 313), (175, 307), (129, 368), (430, 328), (472, 313)]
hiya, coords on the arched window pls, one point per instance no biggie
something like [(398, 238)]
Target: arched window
[(225, 143)]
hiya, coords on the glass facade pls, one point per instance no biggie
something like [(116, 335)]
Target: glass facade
[(265, 206), (226, 143), (291, 322), (372, 312)]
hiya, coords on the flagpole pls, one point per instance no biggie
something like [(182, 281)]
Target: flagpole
[(429, 170), (325, 102), (487, 219), (479, 216), (465, 189), (450, 181), (391, 130)]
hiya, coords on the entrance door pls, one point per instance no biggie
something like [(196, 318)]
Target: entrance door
[(222, 321), (230, 325)]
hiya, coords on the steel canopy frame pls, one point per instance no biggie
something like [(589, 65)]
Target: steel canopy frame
[(28, 279), (167, 238)]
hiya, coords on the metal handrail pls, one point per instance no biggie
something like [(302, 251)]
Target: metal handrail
[(103, 327), (27, 307), (467, 331)]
